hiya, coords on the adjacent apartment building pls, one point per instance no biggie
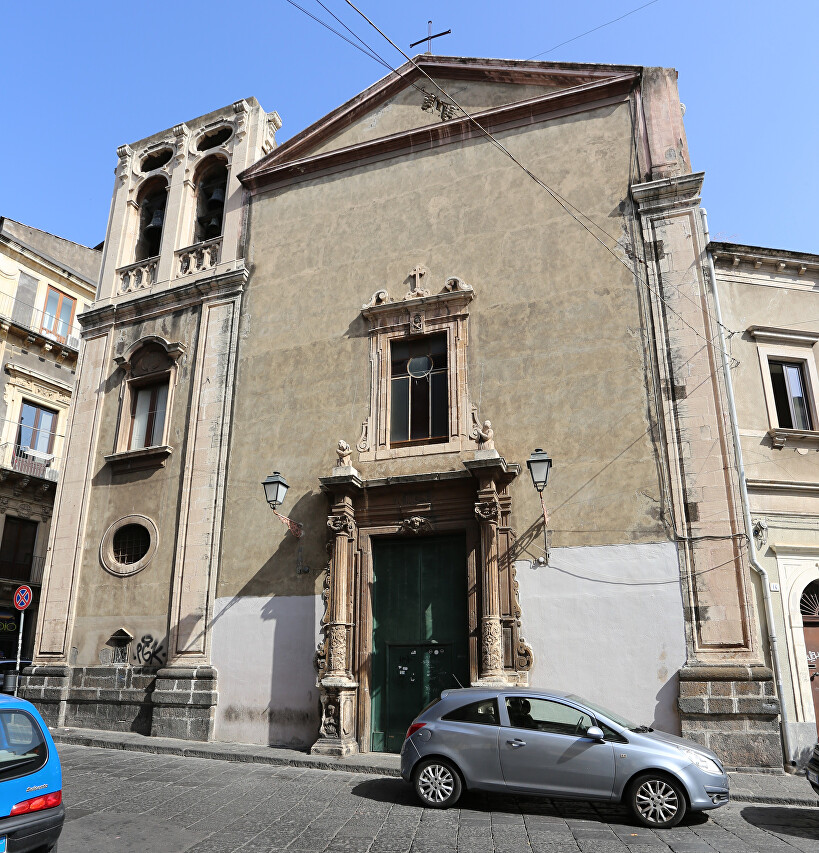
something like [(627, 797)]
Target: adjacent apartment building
[(769, 303), (392, 313), (45, 281)]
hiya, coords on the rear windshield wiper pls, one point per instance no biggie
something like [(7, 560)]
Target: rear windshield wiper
[(24, 759)]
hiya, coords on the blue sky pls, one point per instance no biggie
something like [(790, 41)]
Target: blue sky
[(82, 78)]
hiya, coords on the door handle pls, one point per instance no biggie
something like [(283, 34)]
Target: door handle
[(516, 743)]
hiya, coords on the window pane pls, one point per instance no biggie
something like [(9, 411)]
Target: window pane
[(484, 712), (28, 415), (22, 746), (546, 716), (796, 388), (66, 310), (140, 418), (399, 418), (780, 392), (399, 356), (45, 429), (159, 414), (50, 319), (419, 408), (440, 412)]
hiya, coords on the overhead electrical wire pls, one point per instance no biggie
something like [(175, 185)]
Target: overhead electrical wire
[(594, 29), (564, 203)]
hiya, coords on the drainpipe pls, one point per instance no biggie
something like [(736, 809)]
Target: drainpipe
[(746, 509)]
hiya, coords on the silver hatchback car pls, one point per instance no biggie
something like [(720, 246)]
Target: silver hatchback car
[(556, 745)]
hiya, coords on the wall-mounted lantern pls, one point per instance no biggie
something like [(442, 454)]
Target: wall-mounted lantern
[(275, 489), (539, 465)]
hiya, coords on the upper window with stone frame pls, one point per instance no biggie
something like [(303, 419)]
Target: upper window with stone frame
[(790, 382), (419, 401), (147, 397)]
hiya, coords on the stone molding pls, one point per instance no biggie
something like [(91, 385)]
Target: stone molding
[(418, 312), (107, 316), (106, 552)]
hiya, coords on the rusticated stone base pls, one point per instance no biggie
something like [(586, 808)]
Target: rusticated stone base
[(733, 711), (112, 698), (47, 688), (184, 703)]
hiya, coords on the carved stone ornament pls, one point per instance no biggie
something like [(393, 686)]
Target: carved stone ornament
[(492, 646), (337, 648), (415, 524), (456, 285), (24, 510), (487, 510), (380, 297), (363, 444), (4, 505), (524, 656), (340, 524), (417, 291), (330, 719), (343, 453), (486, 436)]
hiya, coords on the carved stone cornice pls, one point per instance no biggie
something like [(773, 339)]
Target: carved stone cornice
[(226, 284), (668, 193), (295, 161)]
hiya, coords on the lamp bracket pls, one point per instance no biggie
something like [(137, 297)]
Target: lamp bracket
[(294, 527)]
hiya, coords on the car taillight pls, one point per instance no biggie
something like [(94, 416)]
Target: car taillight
[(46, 801), (413, 729)]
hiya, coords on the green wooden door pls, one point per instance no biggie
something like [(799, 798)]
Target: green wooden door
[(420, 630)]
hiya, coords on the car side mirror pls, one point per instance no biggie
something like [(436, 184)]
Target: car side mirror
[(595, 733)]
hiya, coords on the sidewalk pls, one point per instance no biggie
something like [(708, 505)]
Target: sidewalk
[(767, 788)]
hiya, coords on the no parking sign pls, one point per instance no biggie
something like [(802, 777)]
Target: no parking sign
[(22, 599)]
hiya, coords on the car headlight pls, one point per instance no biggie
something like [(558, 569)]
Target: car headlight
[(702, 761)]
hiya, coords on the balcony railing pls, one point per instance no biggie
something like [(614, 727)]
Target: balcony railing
[(14, 570), (137, 276), (28, 317), (198, 257), (30, 462)]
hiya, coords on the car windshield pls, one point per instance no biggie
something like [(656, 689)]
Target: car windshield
[(615, 718)]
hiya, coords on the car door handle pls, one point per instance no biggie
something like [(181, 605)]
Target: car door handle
[(516, 743)]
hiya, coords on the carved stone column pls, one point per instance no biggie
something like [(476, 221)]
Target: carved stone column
[(338, 689), (487, 511)]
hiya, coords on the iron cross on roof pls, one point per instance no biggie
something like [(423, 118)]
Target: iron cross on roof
[(429, 37)]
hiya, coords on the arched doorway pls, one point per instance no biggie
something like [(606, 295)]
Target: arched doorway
[(809, 609)]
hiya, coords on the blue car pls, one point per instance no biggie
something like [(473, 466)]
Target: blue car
[(31, 781)]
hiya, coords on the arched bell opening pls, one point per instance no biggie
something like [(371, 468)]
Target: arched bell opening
[(151, 202), (211, 191)]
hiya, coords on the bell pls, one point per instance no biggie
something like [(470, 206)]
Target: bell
[(213, 227), (217, 198), (156, 221)]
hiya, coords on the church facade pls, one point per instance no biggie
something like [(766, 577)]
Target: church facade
[(393, 313)]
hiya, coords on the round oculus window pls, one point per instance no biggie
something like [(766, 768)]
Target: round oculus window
[(131, 544), (419, 366)]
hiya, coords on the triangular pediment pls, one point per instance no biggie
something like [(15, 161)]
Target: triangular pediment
[(405, 103)]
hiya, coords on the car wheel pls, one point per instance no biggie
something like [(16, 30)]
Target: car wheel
[(657, 801), (437, 783)]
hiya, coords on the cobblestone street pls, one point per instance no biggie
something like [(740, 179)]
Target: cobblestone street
[(124, 802)]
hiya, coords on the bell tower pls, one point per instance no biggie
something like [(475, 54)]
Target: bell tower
[(177, 204)]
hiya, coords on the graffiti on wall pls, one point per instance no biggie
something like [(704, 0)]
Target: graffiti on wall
[(150, 652)]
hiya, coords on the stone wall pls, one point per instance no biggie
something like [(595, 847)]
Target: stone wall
[(733, 711)]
